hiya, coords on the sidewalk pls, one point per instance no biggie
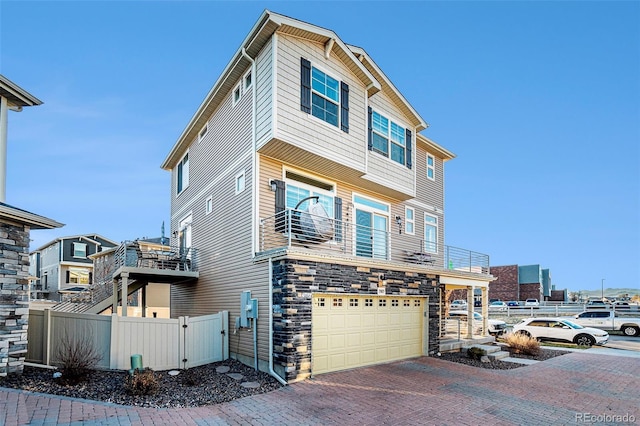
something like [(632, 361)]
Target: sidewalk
[(421, 391)]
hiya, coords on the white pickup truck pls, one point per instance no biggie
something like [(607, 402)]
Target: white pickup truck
[(609, 320)]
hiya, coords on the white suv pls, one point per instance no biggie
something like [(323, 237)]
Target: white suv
[(532, 302), (561, 330), (496, 327)]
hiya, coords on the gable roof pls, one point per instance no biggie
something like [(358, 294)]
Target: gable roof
[(89, 237), (268, 23), (16, 96), (435, 148), (34, 221)]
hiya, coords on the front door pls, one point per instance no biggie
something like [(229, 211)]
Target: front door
[(371, 234)]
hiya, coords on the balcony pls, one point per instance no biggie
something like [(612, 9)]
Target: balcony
[(300, 231), (165, 263)]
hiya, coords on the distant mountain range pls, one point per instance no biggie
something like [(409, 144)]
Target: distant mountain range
[(608, 292)]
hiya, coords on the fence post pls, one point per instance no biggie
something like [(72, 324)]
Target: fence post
[(46, 338), (182, 342), (113, 354), (225, 336)]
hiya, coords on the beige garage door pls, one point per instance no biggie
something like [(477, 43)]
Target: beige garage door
[(352, 330)]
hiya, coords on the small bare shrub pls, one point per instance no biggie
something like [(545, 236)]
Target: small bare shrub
[(76, 356), (475, 352), (522, 344), (189, 378), (142, 382)]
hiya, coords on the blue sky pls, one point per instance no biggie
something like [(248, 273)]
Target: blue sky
[(540, 101)]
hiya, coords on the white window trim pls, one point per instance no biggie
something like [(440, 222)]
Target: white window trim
[(407, 220), (332, 193), (74, 250), (237, 88), (339, 102), (244, 81), (185, 182), (208, 205), (433, 168), (436, 225), (244, 182), (203, 132), (388, 137)]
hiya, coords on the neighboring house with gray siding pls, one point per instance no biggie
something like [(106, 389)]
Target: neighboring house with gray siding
[(303, 178), (64, 265)]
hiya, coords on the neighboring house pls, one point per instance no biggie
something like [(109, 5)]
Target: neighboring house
[(15, 231), (351, 276), (64, 265), (521, 282)]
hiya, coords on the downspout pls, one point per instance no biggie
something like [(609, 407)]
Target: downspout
[(254, 203), (271, 370)]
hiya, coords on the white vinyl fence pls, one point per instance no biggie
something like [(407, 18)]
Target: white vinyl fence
[(164, 344)]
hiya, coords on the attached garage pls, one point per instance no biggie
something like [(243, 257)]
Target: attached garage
[(350, 330)]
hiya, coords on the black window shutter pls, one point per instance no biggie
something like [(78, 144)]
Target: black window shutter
[(344, 107), (370, 128), (305, 85), (338, 216), (68, 277), (90, 277), (409, 148), (281, 206)]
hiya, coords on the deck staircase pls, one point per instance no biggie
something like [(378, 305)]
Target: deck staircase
[(95, 299)]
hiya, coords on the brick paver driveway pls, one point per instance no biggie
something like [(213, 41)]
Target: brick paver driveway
[(422, 391)]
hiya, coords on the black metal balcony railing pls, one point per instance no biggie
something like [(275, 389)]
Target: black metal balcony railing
[(130, 253), (294, 228)]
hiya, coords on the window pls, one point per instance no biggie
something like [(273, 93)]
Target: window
[(78, 276), (240, 182), (390, 139), (247, 80), (430, 233), (80, 250), (203, 132), (236, 94), (323, 96), (371, 230), (431, 167), (410, 220), (183, 173), (300, 187), (208, 205)]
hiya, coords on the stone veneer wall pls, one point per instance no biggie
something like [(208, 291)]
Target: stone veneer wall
[(14, 296), (294, 281)]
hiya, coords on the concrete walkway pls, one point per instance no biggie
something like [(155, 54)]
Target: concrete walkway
[(573, 388)]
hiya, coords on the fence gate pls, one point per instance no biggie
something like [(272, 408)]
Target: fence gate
[(204, 339)]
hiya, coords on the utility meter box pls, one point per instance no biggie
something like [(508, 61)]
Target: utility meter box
[(248, 308)]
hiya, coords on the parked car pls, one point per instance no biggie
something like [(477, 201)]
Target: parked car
[(477, 303), (561, 330), (532, 303), (458, 304), (495, 327), (497, 306), (597, 304), (512, 303), (621, 305), (609, 320)]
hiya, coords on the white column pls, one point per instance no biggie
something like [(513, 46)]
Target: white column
[(470, 320), (123, 293), (114, 298), (3, 148), (485, 309)]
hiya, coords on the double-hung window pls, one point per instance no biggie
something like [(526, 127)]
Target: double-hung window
[(390, 139), (183, 174), (300, 187), (80, 250), (430, 233), (410, 220), (324, 96), (431, 167)]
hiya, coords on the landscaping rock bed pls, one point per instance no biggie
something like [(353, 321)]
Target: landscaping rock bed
[(462, 358), (195, 387)]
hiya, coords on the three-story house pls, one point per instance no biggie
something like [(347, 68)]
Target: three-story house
[(303, 178)]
